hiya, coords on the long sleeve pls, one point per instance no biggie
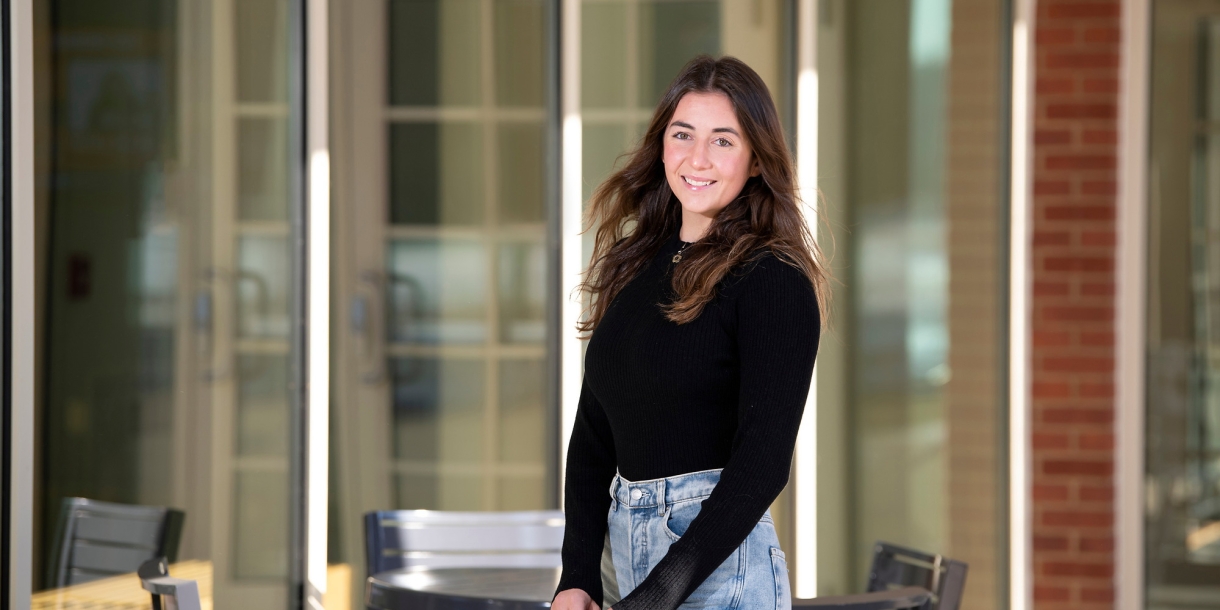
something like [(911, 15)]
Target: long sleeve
[(591, 466), (778, 327)]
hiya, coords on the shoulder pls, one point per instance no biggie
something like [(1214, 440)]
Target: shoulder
[(767, 272), (775, 302)]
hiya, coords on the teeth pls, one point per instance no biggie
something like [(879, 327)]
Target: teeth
[(695, 183)]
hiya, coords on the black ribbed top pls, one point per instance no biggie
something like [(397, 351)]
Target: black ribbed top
[(661, 399)]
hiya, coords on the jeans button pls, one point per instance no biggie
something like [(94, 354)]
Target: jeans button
[(636, 494)]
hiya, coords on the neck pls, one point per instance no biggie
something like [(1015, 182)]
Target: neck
[(693, 227)]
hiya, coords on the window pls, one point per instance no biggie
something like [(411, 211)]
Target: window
[(1182, 433), (911, 434), (172, 337)]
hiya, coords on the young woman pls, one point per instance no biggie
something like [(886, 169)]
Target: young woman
[(704, 286)]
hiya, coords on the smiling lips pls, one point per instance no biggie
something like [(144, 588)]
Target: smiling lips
[(696, 182)]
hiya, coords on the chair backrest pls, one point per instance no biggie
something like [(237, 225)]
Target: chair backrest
[(906, 598), (896, 566), (168, 593), (441, 539), (100, 539)]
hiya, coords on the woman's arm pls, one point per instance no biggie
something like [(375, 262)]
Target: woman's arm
[(591, 466), (778, 327)]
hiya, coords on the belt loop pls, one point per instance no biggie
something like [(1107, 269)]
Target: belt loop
[(660, 489), (614, 483)]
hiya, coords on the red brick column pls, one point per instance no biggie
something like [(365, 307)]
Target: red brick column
[(1075, 150)]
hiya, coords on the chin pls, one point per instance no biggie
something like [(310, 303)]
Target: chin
[(703, 210)]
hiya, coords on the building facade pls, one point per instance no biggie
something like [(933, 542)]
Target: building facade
[(278, 263)]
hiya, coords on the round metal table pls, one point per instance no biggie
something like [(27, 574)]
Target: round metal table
[(462, 589)]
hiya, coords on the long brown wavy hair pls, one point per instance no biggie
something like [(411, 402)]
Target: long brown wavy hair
[(636, 212)]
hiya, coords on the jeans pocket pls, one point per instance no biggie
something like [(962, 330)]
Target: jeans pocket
[(678, 517), (779, 569)]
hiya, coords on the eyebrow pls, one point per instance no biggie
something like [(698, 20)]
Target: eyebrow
[(716, 130)]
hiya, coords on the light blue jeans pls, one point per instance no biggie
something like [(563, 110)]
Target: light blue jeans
[(646, 517)]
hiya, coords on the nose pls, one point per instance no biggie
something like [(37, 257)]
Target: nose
[(699, 158)]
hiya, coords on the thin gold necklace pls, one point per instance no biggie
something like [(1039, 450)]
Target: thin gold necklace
[(678, 255)]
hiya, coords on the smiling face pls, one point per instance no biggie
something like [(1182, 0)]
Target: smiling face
[(707, 159)]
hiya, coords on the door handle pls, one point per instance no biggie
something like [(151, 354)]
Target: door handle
[(368, 323)]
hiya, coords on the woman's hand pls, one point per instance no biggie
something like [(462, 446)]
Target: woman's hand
[(574, 599)]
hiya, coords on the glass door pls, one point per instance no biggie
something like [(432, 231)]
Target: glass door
[(171, 335), (912, 151), (442, 118), (1182, 514)]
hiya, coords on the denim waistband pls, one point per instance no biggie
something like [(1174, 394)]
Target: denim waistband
[(659, 492)]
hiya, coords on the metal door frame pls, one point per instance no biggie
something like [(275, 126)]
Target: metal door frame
[(17, 32)]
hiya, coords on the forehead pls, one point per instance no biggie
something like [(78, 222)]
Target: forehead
[(706, 111)]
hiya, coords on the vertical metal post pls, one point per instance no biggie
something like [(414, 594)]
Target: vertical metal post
[(805, 515), (317, 295), (19, 427), (554, 248), (1020, 263), (571, 208), (1130, 320)]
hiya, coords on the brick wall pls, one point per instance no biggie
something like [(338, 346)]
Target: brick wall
[(1075, 105)]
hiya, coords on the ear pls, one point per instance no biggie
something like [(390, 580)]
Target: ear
[(755, 168)]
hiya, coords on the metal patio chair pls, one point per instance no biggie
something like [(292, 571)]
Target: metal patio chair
[(906, 598), (100, 539), (168, 593), (397, 539), (896, 566)]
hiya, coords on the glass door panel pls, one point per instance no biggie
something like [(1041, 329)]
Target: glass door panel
[(436, 173), (444, 289), (910, 422), (172, 277), (1182, 514), (436, 291), (456, 235)]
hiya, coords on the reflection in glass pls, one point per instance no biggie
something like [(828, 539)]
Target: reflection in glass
[(1182, 535), (434, 50), (263, 287), (438, 409), (433, 492), (899, 243), (260, 531), (521, 154), (441, 254), (522, 402), (909, 410), (436, 291), (526, 492), (603, 147), (670, 34), (520, 41), (170, 276), (262, 50), (263, 401), (604, 30), (262, 169), (522, 287), (438, 439), (436, 173)]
